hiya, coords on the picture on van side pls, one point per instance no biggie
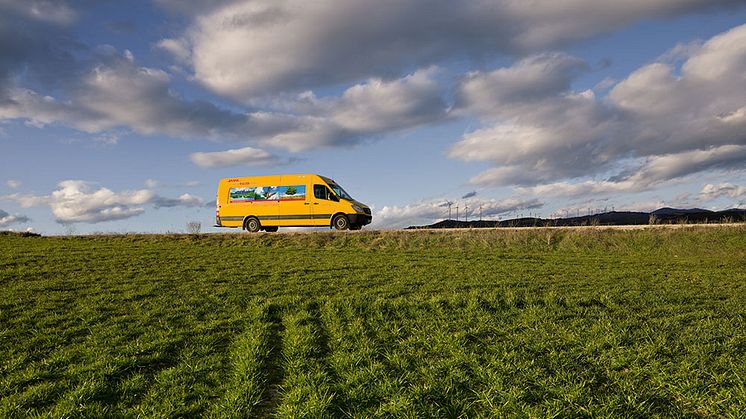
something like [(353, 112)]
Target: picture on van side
[(268, 193)]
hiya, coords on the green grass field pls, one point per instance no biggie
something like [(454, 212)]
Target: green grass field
[(481, 323)]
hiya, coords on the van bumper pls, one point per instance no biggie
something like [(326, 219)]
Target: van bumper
[(360, 219)]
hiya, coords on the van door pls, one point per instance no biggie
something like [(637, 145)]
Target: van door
[(295, 204), (324, 205), (252, 196)]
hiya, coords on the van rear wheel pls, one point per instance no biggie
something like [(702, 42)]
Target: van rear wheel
[(252, 225), (341, 222)]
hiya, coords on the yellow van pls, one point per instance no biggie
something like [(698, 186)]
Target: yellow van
[(268, 202)]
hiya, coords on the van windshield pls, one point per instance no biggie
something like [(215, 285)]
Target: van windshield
[(339, 191)]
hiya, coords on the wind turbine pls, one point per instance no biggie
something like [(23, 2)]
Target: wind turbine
[(449, 203)]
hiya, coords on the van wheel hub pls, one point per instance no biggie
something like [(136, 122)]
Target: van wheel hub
[(341, 223), (252, 225)]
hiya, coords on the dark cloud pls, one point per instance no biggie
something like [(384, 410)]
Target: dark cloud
[(117, 93), (532, 79), (356, 39), (536, 128), (36, 46), (636, 137), (726, 189), (8, 219), (185, 200)]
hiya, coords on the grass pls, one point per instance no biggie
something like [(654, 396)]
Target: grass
[(408, 324)]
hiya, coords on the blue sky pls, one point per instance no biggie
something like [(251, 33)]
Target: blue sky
[(119, 117)]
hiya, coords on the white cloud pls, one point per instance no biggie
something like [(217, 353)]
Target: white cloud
[(364, 110), (379, 105), (118, 93), (588, 187), (537, 130), (537, 140), (298, 44), (429, 211), (673, 166), (660, 123), (711, 191), (535, 77), (151, 183), (77, 201), (176, 47), (248, 156), (8, 219), (14, 184), (653, 172)]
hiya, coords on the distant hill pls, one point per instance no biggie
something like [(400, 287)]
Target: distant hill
[(676, 211), (659, 216)]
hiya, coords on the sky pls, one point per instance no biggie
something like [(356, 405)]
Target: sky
[(122, 117)]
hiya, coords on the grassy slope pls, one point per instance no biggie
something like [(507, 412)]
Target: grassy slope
[(477, 323)]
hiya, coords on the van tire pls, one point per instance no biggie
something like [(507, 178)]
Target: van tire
[(340, 222), (270, 229), (252, 225)]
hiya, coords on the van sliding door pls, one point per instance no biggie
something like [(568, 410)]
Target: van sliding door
[(295, 204)]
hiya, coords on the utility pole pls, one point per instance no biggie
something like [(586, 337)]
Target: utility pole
[(457, 212), (480, 212)]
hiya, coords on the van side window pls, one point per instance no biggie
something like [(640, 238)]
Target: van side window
[(320, 192)]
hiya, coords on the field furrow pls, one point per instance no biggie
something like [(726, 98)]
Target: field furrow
[(308, 385), (467, 324), (254, 369)]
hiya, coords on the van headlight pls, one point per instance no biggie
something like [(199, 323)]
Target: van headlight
[(356, 208)]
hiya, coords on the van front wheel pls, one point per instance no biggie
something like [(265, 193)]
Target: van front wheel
[(252, 225), (341, 222)]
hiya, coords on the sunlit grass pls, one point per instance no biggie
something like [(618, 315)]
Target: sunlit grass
[(477, 323)]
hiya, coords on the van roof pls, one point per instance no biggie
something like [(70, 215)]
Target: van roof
[(327, 179)]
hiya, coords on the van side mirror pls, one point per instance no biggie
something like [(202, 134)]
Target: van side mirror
[(333, 197)]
